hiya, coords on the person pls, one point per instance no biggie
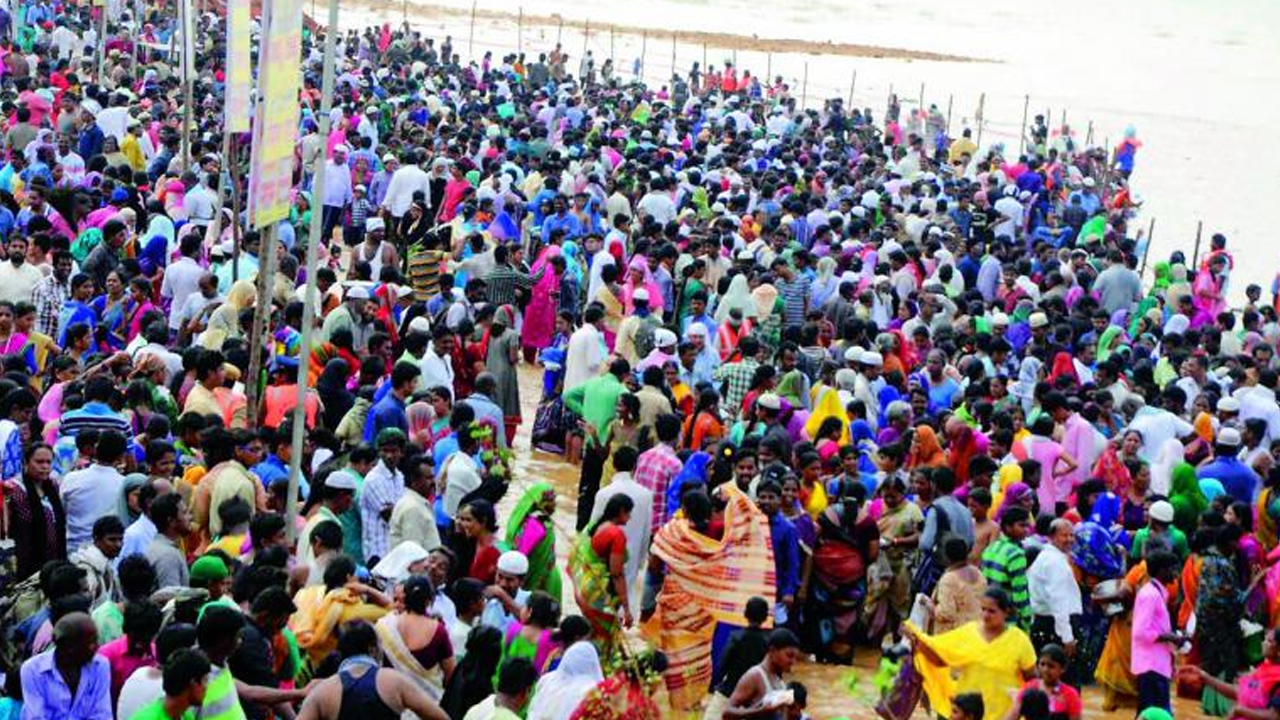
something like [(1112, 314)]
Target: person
[(146, 685), (531, 533), (1218, 612), (1064, 700), (362, 688), (322, 609), (415, 643), (515, 680), (1053, 591), (73, 681), (1254, 692), (35, 520), (125, 655), (957, 598), (557, 693), (597, 567), (173, 523), (596, 401), (1154, 637), (745, 649), (413, 517), (1004, 562), (472, 679), (761, 691), (185, 681), (990, 656), (93, 492)]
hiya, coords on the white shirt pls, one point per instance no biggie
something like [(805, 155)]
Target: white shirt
[(200, 204), (637, 529), (143, 686), (460, 476), (436, 370), (1158, 427), (584, 357), (172, 360), (17, 283), (659, 206), (87, 495), (404, 183), (181, 280), (1054, 590), (114, 121), (136, 538)]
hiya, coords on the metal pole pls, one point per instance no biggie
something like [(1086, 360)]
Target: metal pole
[(982, 101), (1151, 231), (804, 86), (950, 98), (261, 313), (310, 301), (1195, 258), (1022, 136), (471, 39), (187, 100), (853, 83), (520, 31)]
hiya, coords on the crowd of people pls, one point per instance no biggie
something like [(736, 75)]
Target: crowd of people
[(833, 381)]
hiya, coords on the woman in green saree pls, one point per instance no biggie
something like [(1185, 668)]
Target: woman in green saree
[(530, 531)]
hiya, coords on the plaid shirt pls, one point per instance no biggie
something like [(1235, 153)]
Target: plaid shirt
[(655, 469), (48, 296), (737, 377), (502, 281), (1004, 565)]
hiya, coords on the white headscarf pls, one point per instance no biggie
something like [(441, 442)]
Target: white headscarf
[(1171, 455), (738, 296), (559, 692)]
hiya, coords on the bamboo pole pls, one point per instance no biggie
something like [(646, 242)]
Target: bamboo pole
[(804, 87), (921, 105), (1151, 231), (1022, 136), (235, 211), (261, 313), (559, 31), (471, 38), (768, 70), (1088, 139), (1195, 257)]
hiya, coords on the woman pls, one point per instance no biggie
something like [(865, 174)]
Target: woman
[(899, 526), (420, 415), (622, 431), (962, 445), (533, 636), (988, 656), (559, 692), (140, 304), (1218, 611), (501, 359), (540, 314), (476, 540), (129, 511), (1133, 504), (440, 399), (416, 643), (847, 543), (224, 322), (628, 693), (926, 451), (770, 309), (1055, 464), (597, 568), (1188, 501), (32, 513), (703, 426), (323, 609), (111, 309), (531, 532), (472, 680), (957, 598), (332, 388), (639, 276), (1254, 692)]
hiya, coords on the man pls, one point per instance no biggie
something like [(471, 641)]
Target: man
[(653, 402), (506, 597), (436, 365), (1159, 531), (185, 680), (348, 693), (516, 677), (1055, 594), (786, 548), (218, 634), (504, 280), (1239, 480), (585, 354), (254, 659), (96, 413), (97, 557), (638, 527), (389, 412), (1004, 562), (757, 693), (413, 517), (173, 523), (406, 181), (596, 401), (93, 492), (338, 191), (658, 466), (482, 402), (182, 278), (352, 316), (1118, 287), (52, 292), (1158, 425), (383, 487), (73, 681), (201, 199), (142, 531), (1154, 639), (18, 278), (947, 516), (737, 376), (636, 332)]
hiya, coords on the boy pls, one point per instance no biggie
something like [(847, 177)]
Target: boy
[(985, 531), (186, 677), (1154, 639), (746, 648)]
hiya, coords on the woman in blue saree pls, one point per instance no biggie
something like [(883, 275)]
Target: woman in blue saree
[(112, 308)]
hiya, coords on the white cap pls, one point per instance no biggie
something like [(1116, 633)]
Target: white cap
[(1000, 319), (1038, 320), (769, 401), (341, 149), (420, 325), (853, 354), (746, 255), (1161, 511), (341, 481), (642, 295), (513, 562), (1229, 437), (872, 358), (1088, 182), (1229, 404), (357, 293), (374, 223), (664, 338)]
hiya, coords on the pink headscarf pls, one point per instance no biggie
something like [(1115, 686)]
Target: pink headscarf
[(628, 287)]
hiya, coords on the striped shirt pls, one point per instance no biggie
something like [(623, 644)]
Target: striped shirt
[(94, 415), (502, 281), (1004, 565), (382, 490), (794, 294)]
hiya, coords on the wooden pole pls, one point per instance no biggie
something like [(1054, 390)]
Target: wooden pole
[(611, 56), (768, 70), (921, 97), (1195, 257), (982, 102), (261, 313), (471, 38), (704, 58), (102, 37), (949, 99), (644, 50), (559, 30), (310, 299), (804, 87), (520, 30), (853, 83), (1088, 139), (1151, 231), (586, 38), (675, 72), (1022, 136)]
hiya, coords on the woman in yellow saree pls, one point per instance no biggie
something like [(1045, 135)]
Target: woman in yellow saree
[(988, 656), (707, 584), (322, 609)]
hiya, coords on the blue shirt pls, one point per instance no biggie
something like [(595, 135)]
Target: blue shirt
[(786, 554), (272, 469), (487, 409), (386, 413), (46, 695), (1239, 480)]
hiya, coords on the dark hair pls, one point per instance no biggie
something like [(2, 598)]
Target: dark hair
[(1054, 653), (175, 637), (141, 620), (218, 624), (783, 639), (418, 594), (340, 569), (1035, 704), (137, 577), (1002, 598), (107, 525), (757, 610), (263, 526), (616, 505), (516, 676), (357, 638), (544, 611), (329, 533), (164, 510), (483, 512), (184, 667), (1013, 516), (971, 704), (466, 591)]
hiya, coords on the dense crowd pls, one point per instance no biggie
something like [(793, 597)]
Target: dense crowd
[(836, 381)]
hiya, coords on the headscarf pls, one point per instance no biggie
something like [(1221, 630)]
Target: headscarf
[(827, 404), (559, 692), (926, 451), (524, 508), (132, 482), (420, 414), (737, 296), (1186, 497), (790, 386), (962, 445), (1096, 552), (1168, 456), (766, 298), (1107, 342), (573, 264), (693, 472), (628, 289), (1063, 366), (826, 283), (1028, 375), (1015, 495)]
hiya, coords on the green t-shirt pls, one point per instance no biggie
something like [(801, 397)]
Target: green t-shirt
[(155, 711)]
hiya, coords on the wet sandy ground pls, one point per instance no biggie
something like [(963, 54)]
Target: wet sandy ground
[(834, 691)]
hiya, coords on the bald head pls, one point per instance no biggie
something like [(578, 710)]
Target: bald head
[(76, 638), (1062, 534)]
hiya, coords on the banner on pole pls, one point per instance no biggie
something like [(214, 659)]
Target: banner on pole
[(276, 131), (239, 72)]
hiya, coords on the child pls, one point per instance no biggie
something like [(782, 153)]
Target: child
[(985, 531), (800, 698), (1064, 700), (186, 677), (967, 706), (745, 649)]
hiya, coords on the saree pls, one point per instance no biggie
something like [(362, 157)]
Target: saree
[(1186, 497), (1265, 526), (402, 659), (321, 613), (534, 536), (991, 668), (826, 403), (708, 582), (593, 592), (540, 315)]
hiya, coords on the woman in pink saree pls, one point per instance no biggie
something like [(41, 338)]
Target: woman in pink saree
[(638, 276), (1208, 289), (540, 315)]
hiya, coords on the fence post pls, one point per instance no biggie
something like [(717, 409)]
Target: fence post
[(471, 39), (804, 87), (1022, 136)]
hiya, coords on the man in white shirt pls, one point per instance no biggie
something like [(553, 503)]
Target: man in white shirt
[(17, 277), (200, 202), (406, 181), (657, 204), (142, 531), (638, 527), (436, 363), (1055, 594), (182, 278), (338, 191), (157, 336), (114, 120), (414, 517), (93, 492), (585, 355)]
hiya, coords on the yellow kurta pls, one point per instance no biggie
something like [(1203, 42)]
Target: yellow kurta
[(993, 669)]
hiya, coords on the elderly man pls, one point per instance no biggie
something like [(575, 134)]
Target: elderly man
[(1055, 594), (338, 190), (73, 681)]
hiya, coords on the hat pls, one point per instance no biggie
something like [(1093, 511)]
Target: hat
[(389, 157), (1229, 404), (374, 223), (209, 568), (746, 256), (1229, 437), (341, 149), (664, 338), (769, 401), (1161, 511), (341, 480), (642, 295), (1038, 320), (360, 188), (357, 293), (1089, 182), (513, 562), (872, 358), (389, 435), (1000, 319), (853, 354), (420, 325)]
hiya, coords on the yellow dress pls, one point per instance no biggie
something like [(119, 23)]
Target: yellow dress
[(994, 669)]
